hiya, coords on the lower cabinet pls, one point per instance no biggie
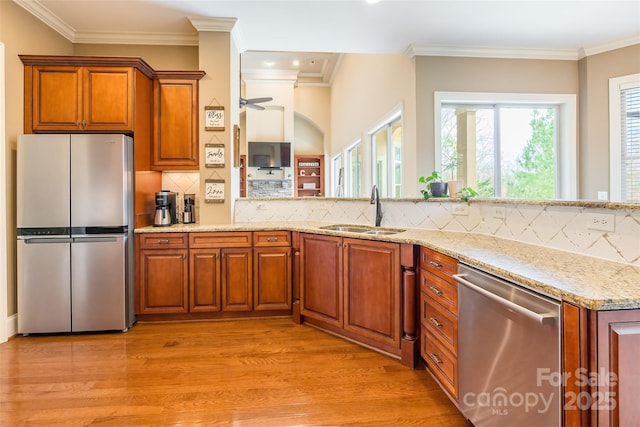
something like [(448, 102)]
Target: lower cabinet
[(439, 317), (208, 274), (163, 273), (618, 372), (352, 286)]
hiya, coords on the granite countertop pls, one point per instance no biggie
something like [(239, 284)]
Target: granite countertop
[(588, 282)]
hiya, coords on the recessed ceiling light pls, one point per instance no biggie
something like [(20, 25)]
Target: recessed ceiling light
[(372, 1), (296, 62), (268, 63)]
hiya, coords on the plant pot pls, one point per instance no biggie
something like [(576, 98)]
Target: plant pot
[(455, 187), (438, 189)]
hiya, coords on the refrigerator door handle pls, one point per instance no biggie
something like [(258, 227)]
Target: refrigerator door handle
[(38, 240), (94, 239)]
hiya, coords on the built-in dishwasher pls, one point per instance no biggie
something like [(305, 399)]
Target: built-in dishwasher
[(508, 353)]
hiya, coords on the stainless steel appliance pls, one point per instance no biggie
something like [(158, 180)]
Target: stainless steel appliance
[(75, 245), (508, 353), (189, 215), (165, 209)]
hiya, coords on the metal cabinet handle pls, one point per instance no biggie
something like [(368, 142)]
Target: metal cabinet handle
[(435, 358), (436, 290), (272, 239), (435, 264), (163, 241), (435, 321)]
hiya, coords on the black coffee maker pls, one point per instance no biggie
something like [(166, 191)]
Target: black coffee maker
[(189, 214), (165, 209)]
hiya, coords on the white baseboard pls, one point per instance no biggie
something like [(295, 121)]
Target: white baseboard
[(12, 325)]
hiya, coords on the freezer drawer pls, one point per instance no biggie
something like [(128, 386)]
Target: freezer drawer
[(44, 297), (98, 283)]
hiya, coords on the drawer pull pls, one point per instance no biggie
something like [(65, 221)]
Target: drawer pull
[(272, 239), (435, 264), (163, 241), (435, 321), (436, 290), (435, 358)]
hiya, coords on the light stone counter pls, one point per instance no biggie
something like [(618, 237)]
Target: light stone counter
[(586, 281)]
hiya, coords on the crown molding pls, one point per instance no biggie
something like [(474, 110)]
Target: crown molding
[(617, 44), (213, 24), (473, 52), (49, 18), (136, 38)]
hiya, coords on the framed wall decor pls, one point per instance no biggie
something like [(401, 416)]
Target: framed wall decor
[(214, 155), (214, 190), (213, 117)]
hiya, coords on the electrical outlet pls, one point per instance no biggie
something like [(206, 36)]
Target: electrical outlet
[(499, 212), (602, 222), (460, 209)]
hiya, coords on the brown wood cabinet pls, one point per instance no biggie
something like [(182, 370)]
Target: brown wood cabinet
[(618, 371), (439, 317), (175, 138), (321, 279), (77, 98), (353, 287), (272, 270), (224, 272), (309, 175), (162, 273)]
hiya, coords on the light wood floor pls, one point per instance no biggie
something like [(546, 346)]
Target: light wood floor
[(233, 373)]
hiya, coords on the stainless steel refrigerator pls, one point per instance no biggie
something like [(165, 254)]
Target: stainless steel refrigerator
[(75, 224)]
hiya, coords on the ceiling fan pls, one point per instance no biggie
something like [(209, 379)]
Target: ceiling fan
[(253, 102)]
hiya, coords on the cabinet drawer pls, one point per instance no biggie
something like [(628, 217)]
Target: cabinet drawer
[(163, 240), (271, 238), (233, 239), (439, 322), (441, 265), (442, 363), (441, 291)]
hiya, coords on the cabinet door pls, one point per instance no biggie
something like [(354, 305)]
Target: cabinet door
[(108, 99), (272, 278), (57, 98), (175, 140), (372, 290), (163, 281), (321, 289), (618, 369), (237, 281), (204, 280)]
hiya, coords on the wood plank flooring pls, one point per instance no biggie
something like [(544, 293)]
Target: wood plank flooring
[(228, 373)]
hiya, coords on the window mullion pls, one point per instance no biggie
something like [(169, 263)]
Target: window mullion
[(497, 158)]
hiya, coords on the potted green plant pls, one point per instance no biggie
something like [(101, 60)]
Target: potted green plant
[(436, 187), (467, 193)]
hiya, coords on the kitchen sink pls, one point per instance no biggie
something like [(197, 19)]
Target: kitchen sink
[(362, 230)]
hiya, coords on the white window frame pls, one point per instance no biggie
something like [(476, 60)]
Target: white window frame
[(395, 115), (616, 85), (567, 185), (348, 177)]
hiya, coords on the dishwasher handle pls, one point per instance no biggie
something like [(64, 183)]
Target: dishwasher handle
[(542, 318)]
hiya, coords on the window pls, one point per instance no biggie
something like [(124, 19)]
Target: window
[(387, 156), (624, 117), (354, 166), (506, 145)]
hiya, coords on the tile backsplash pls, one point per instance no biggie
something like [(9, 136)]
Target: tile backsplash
[(568, 228), (183, 183)]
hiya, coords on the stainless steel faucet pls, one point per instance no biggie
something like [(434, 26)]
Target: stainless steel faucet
[(375, 199)]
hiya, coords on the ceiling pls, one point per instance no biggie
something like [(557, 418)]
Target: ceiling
[(552, 29)]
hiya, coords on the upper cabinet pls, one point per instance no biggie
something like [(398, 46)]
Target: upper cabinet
[(81, 94), (175, 138)]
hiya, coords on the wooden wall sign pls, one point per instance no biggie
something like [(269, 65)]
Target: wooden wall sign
[(213, 117)]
